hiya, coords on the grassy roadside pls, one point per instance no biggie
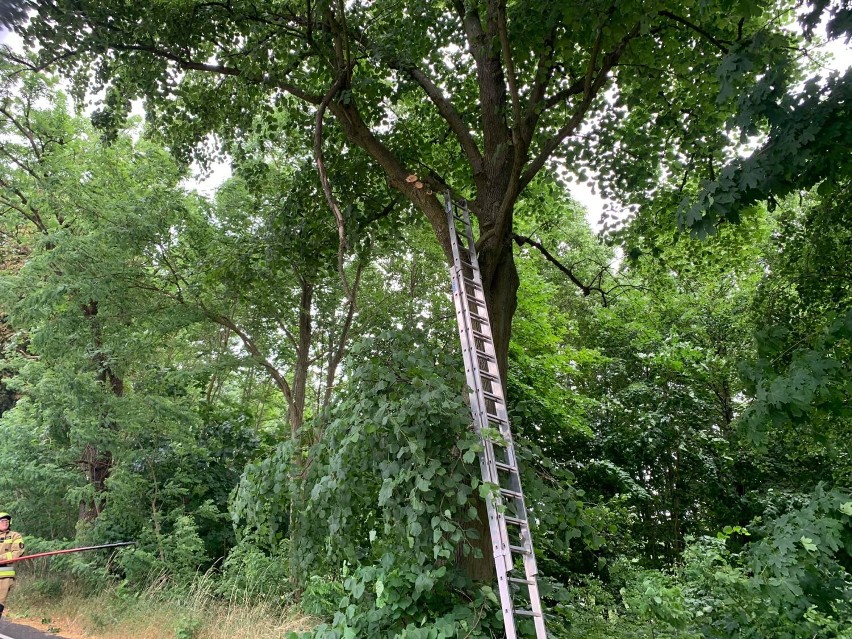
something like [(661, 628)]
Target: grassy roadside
[(68, 607)]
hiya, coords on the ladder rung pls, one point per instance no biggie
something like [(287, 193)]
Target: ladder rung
[(515, 520), (502, 425), (491, 415), (475, 299), (527, 613), (489, 376), (494, 398), (486, 356), (479, 318), (472, 282), (517, 580), (480, 335), (511, 493), (508, 467), (521, 550)]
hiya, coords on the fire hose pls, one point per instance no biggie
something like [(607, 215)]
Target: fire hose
[(4, 562)]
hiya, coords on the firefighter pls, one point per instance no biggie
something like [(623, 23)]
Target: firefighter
[(11, 547)]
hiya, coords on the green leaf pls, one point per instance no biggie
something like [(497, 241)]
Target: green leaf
[(808, 544)]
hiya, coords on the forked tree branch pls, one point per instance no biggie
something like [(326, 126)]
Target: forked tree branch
[(587, 289), (590, 91)]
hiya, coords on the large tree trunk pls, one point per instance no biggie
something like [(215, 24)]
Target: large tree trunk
[(500, 282)]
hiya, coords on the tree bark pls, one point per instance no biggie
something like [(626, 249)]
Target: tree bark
[(500, 282), (97, 464), (296, 408)]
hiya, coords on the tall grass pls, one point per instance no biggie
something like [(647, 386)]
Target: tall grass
[(161, 611)]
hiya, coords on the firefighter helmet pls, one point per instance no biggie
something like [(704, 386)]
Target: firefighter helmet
[(6, 516)]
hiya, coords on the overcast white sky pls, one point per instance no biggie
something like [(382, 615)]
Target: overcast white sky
[(841, 60)]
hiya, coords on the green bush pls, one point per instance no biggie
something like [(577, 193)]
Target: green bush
[(187, 628), (177, 555), (49, 588), (322, 597), (139, 566), (184, 551), (250, 573)]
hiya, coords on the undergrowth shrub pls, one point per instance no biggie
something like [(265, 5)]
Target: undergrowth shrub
[(250, 573), (178, 555), (322, 597)]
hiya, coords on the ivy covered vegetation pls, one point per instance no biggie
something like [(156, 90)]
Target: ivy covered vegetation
[(262, 384)]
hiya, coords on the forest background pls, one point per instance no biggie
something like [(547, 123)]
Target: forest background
[(264, 387)]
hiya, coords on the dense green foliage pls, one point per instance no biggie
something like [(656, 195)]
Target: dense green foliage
[(254, 388)]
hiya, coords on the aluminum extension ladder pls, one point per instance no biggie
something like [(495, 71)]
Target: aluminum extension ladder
[(507, 513)]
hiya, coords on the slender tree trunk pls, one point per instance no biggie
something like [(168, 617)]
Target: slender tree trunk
[(296, 415), (296, 409), (96, 467), (97, 464)]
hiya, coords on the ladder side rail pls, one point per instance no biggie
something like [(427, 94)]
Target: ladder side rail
[(477, 404), (468, 347)]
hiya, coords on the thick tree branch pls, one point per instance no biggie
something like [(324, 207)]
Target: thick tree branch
[(357, 131), (590, 91), (183, 63), (252, 348), (386, 210), (443, 104), (593, 63), (559, 97), (543, 76), (509, 65), (28, 134), (489, 73), (19, 163), (220, 69), (449, 113), (31, 213), (41, 66), (339, 350)]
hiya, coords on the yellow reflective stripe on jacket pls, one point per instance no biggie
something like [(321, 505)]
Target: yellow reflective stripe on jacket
[(6, 573)]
